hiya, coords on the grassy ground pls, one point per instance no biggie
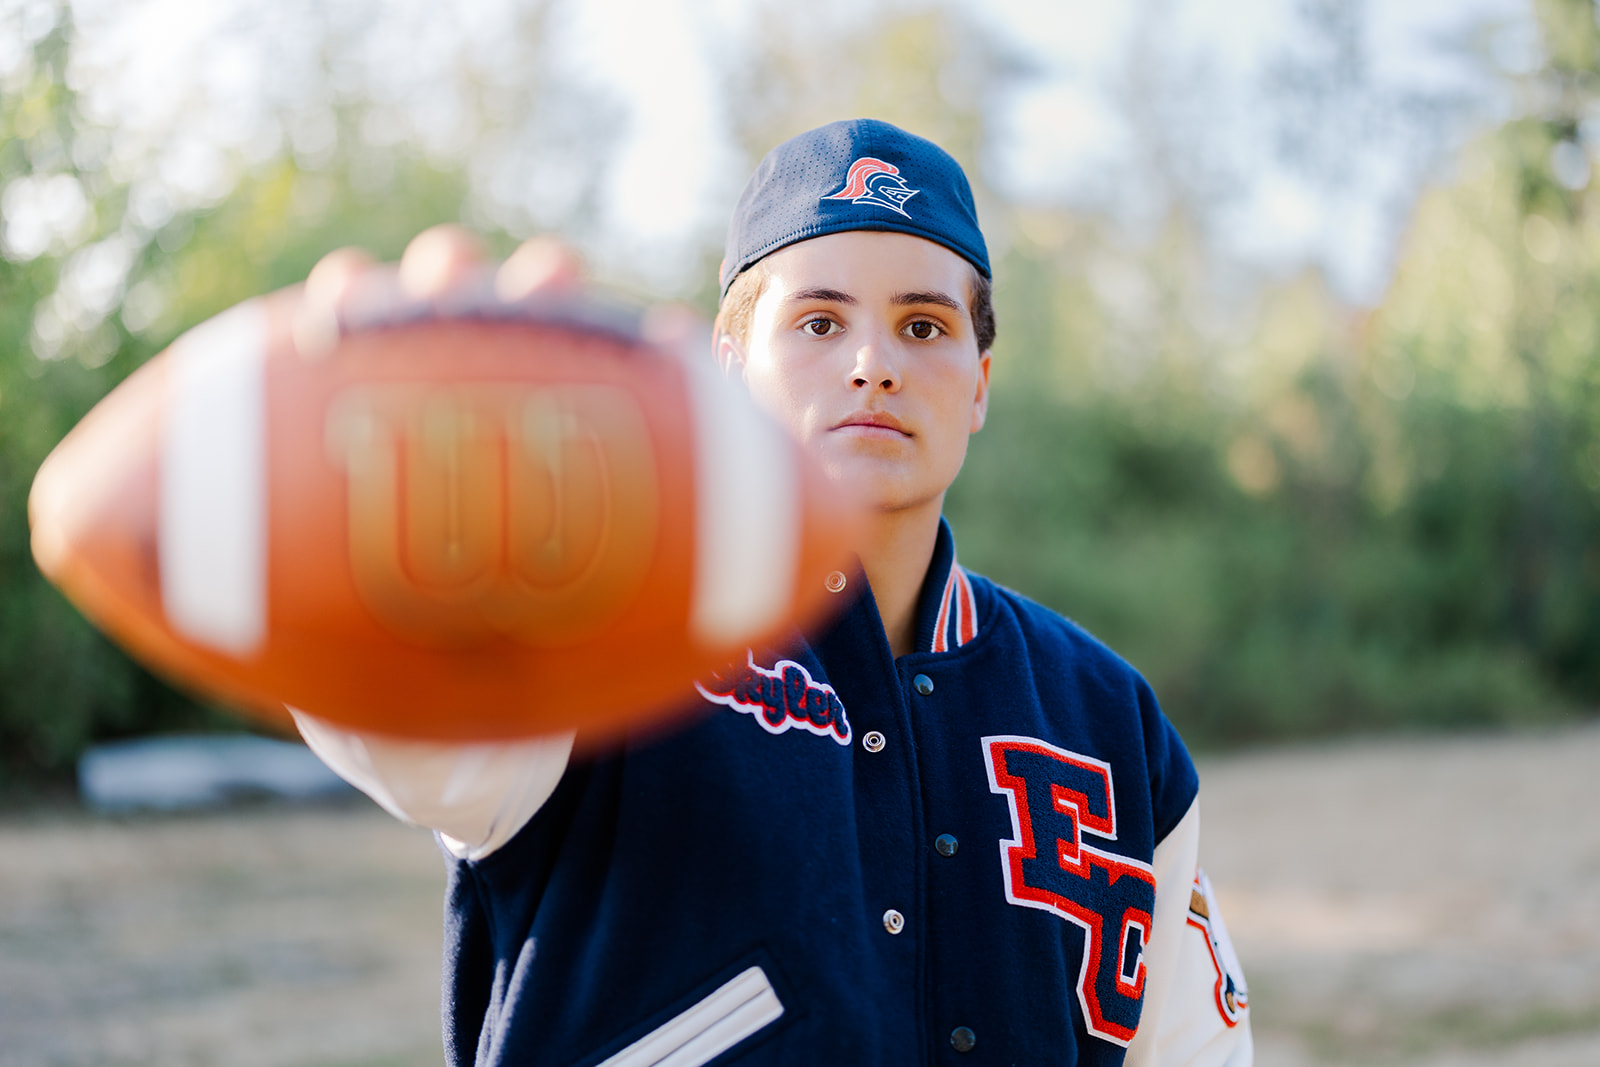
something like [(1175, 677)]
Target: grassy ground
[(1423, 902)]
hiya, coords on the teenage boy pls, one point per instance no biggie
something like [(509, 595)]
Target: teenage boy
[(989, 855)]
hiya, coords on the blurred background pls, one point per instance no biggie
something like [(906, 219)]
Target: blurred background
[(1295, 388), (1296, 397)]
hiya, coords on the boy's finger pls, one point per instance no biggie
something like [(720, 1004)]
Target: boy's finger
[(334, 273), (328, 286), (439, 258), (539, 263)]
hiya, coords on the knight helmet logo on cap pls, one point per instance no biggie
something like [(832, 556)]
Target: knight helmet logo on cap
[(872, 181)]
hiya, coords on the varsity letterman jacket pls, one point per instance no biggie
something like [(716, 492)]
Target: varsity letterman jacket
[(982, 852)]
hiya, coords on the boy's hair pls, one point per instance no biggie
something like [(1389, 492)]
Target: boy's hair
[(737, 313)]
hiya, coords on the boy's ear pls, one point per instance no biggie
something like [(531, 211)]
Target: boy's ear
[(729, 353), (980, 402)]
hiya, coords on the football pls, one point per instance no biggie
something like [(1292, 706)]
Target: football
[(465, 518)]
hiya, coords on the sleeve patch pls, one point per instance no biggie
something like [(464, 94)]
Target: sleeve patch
[(1231, 994)]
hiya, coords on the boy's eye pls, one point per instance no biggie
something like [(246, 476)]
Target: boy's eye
[(820, 327), (923, 330)]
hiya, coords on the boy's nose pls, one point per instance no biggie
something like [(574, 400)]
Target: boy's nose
[(874, 368)]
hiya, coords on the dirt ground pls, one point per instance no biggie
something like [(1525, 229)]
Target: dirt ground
[(1431, 902)]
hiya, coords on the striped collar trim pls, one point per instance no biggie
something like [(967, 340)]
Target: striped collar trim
[(958, 612)]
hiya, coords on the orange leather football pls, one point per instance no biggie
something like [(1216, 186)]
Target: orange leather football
[(459, 520)]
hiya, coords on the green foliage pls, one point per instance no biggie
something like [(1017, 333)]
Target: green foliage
[(1309, 610)]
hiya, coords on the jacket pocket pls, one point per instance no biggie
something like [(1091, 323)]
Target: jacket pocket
[(732, 1012)]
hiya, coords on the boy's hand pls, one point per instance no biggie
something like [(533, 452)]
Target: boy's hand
[(437, 261)]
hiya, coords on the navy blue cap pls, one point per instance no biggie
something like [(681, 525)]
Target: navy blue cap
[(858, 174)]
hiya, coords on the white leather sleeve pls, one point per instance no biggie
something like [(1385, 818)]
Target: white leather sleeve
[(1196, 1007), (476, 796)]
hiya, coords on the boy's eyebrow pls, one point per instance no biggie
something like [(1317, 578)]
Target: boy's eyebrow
[(832, 296), (911, 299), (940, 299)]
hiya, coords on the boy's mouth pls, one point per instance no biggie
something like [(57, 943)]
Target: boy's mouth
[(871, 421)]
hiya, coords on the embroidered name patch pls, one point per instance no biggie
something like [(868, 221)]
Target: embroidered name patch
[(780, 698)]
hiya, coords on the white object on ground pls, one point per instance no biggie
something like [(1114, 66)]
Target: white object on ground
[(199, 771)]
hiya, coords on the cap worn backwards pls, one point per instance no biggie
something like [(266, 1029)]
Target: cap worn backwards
[(858, 174)]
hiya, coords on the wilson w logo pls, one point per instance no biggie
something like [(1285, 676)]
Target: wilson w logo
[(496, 509)]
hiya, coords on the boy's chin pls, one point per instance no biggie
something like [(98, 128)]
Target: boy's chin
[(871, 488)]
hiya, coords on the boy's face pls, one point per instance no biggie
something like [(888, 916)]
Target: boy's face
[(862, 344)]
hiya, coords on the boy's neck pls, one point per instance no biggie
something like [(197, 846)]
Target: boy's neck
[(896, 549)]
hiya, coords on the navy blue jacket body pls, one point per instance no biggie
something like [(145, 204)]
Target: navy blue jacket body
[(1007, 814)]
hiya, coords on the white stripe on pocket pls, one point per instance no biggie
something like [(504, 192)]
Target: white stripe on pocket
[(732, 1013)]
